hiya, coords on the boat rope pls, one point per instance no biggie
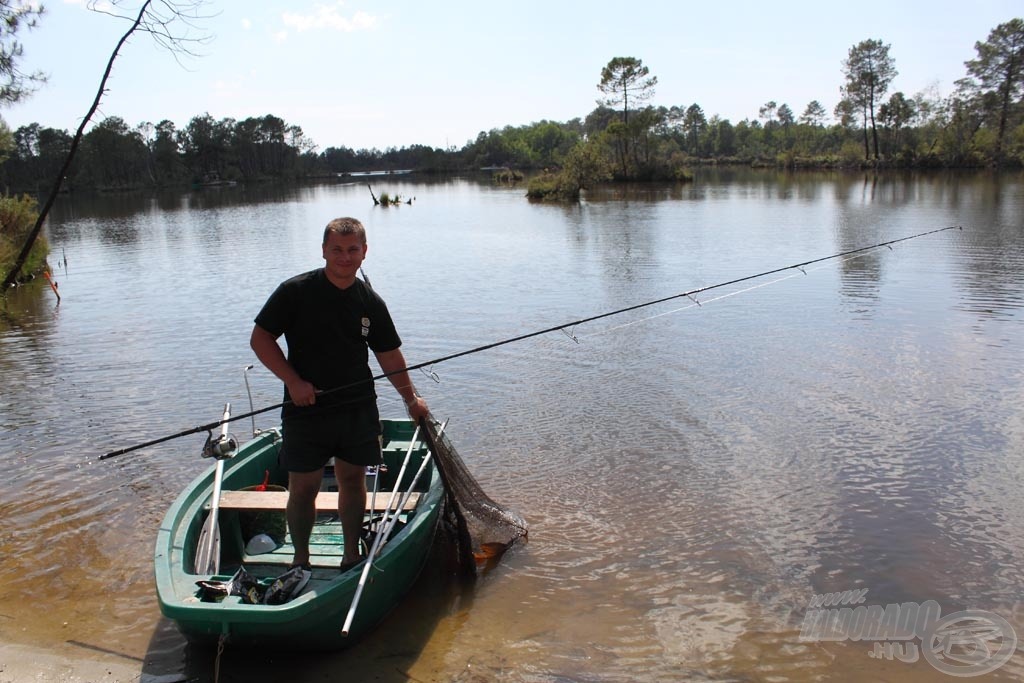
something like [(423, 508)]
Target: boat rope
[(220, 651), (690, 294)]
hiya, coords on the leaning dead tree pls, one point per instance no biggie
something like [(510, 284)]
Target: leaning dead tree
[(173, 25)]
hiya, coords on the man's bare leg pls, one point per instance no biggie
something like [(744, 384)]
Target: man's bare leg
[(301, 510), (351, 505)]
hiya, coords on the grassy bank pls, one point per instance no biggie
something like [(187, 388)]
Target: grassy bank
[(17, 216)]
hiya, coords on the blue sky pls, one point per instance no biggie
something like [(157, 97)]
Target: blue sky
[(376, 74)]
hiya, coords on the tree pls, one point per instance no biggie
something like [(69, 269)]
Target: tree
[(166, 154), (206, 144), (785, 115), (767, 112), (549, 142), (645, 121), (36, 156), (722, 136), (584, 166), (597, 121), (15, 84), (845, 112), (960, 122), (786, 119), (116, 155), (869, 70), (625, 78), (895, 115), (997, 75), (694, 125), (814, 114)]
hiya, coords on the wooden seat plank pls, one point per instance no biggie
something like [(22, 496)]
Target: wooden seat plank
[(326, 501)]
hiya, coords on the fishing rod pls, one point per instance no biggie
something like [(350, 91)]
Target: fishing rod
[(556, 328)]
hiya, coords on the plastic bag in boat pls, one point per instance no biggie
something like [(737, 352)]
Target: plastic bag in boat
[(248, 587), (287, 586), (242, 584)]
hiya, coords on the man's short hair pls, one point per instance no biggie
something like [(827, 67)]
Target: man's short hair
[(345, 226)]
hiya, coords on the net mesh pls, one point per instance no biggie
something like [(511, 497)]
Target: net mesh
[(481, 529)]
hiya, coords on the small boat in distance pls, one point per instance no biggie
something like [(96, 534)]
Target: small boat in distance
[(245, 509)]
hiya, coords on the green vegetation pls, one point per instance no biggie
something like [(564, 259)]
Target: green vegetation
[(869, 70), (585, 165), (16, 16), (17, 216), (389, 200), (508, 175), (625, 137)]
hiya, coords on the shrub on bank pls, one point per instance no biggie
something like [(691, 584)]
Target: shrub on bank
[(547, 186), (17, 217)]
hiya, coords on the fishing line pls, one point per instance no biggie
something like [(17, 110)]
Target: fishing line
[(698, 304), (691, 294)]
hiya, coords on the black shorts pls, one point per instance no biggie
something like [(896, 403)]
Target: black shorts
[(310, 441)]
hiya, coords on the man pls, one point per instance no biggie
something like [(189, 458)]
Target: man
[(329, 318)]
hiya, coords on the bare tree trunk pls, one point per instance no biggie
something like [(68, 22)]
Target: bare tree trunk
[(867, 149), (874, 129), (1003, 114), (12, 276)]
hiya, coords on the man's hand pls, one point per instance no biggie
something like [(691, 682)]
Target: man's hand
[(417, 408), (265, 345), (303, 393)]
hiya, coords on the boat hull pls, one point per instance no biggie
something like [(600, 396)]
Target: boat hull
[(313, 619)]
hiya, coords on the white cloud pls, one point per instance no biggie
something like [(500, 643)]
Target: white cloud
[(246, 24), (279, 36), (330, 17)]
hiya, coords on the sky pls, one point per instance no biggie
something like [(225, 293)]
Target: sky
[(365, 74)]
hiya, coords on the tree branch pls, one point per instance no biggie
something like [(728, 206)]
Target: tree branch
[(153, 22)]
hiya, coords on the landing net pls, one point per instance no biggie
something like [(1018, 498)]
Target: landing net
[(481, 529)]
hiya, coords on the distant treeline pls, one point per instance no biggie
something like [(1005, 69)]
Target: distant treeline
[(980, 124), (114, 155)]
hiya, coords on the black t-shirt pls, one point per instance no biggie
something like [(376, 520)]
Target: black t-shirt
[(328, 331)]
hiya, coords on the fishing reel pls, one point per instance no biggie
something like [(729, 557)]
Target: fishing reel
[(225, 445), (221, 448)]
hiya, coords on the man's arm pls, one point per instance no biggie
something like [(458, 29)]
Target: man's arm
[(394, 361), (265, 345)]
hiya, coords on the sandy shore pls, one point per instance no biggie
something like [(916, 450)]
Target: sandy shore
[(19, 663)]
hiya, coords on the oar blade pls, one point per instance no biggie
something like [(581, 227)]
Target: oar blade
[(208, 548)]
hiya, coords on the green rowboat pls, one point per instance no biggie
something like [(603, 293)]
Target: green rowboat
[(312, 619)]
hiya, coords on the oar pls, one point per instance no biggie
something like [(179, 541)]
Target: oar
[(376, 540), (208, 552), (390, 526), (384, 530), (373, 496)]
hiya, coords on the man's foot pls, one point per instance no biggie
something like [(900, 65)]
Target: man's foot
[(305, 565), (345, 566)]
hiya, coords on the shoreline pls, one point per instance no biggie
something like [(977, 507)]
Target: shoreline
[(77, 664)]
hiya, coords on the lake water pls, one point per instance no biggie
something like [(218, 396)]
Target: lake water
[(692, 475)]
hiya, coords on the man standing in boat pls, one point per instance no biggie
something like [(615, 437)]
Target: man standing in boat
[(329, 319)]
